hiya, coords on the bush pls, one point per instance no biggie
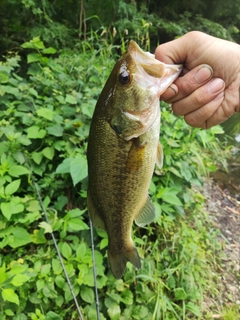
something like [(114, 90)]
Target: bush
[(45, 114)]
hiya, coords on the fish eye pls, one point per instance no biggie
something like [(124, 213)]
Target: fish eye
[(124, 77)]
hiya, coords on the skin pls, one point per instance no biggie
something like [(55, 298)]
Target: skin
[(207, 93)]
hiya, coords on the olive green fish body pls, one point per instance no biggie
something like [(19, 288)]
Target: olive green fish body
[(123, 148)]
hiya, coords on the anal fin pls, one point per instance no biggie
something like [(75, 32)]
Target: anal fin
[(146, 214)]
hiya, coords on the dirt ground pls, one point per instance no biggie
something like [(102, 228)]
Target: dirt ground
[(223, 206)]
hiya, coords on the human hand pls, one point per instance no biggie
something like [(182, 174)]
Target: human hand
[(208, 93)]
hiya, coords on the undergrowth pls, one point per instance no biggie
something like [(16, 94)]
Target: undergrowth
[(45, 113)]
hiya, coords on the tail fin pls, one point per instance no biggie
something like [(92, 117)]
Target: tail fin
[(119, 260)]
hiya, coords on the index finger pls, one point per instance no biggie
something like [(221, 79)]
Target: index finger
[(189, 82)]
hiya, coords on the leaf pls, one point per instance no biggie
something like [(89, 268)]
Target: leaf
[(127, 297), (48, 152), (9, 208), (64, 167), (78, 169), (180, 294), (114, 311), (194, 309), (35, 132), (16, 171), (38, 236), (46, 226), (37, 157), (12, 187), (3, 76), (87, 294), (45, 113), (60, 281), (66, 250), (20, 238), (34, 43), (53, 316), (77, 224), (49, 50), (10, 295), (55, 130), (19, 279), (70, 99), (33, 57), (172, 199)]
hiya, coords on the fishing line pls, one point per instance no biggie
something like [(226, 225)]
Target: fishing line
[(94, 271), (55, 242)]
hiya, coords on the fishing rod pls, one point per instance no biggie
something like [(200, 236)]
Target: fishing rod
[(55, 242)]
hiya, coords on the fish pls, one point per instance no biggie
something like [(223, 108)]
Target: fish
[(123, 148)]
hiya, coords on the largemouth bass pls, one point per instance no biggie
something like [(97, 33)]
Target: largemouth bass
[(123, 148)]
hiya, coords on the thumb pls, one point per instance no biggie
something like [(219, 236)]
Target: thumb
[(173, 52)]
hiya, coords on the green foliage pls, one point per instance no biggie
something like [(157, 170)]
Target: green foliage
[(64, 24), (45, 112)]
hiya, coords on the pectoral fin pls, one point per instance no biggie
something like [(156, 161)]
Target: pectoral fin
[(159, 159), (136, 155), (94, 214), (146, 215)]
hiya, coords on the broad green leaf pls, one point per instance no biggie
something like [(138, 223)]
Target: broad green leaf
[(48, 152), (3, 275), (19, 279), (55, 130), (87, 294), (34, 43), (45, 269), (35, 132), (33, 206), (194, 309), (127, 297), (78, 169), (60, 281), (49, 50), (76, 212), (180, 294), (33, 57), (9, 208), (16, 171), (38, 236), (37, 157), (53, 316), (9, 312), (172, 199), (10, 295), (45, 113), (33, 92), (66, 250), (24, 140), (46, 226), (56, 265), (12, 187), (70, 99), (20, 238), (77, 224), (64, 167), (4, 76), (114, 311)]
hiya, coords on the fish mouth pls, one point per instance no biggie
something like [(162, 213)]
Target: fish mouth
[(158, 73)]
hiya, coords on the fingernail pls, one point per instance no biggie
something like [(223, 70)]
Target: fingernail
[(175, 92), (215, 85), (203, 74)]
